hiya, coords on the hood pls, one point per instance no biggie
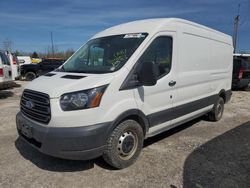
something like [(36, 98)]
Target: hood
[(57, 83)]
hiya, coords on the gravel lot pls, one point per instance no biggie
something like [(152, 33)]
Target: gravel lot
[(196, 154)]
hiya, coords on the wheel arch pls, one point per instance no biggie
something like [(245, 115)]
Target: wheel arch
[(222, 94), (30, 71), (133, 114)]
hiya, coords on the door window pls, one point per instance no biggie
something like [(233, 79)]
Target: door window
[(159, 52), (5, 59)]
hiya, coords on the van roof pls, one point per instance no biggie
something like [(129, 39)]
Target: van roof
[(244, 55), (152, 26)]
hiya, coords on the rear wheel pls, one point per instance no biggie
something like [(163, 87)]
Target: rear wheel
[(30, 76), (246, 88), (217, 111), (124, 144)]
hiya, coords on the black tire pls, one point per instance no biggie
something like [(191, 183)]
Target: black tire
[(29, 76), (246, 88), (217, 111), (118, 152)]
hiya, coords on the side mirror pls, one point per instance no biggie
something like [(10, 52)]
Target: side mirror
[(147, 75)]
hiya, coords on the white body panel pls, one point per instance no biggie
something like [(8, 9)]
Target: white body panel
[(205, 63), (6, 72), (201, 67), (14, 67)]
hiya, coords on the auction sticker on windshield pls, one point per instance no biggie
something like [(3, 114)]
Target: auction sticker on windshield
[(134, 35)]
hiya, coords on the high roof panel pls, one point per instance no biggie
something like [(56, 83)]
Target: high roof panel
[(151, 26)]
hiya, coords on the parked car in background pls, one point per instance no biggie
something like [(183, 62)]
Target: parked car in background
[(24, 60), (241, 71), (15, 67), (31, 71), (5, 71)]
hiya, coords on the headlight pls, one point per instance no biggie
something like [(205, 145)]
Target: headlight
[(90, 98)]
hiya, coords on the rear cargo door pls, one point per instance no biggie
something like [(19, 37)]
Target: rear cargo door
[(6, 68), (246, 68)]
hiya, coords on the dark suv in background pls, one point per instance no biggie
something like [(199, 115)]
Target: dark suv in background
[(241, 71), (31, 71)]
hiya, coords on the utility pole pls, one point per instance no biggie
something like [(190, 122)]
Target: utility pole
[(52, 44), (236, 26)]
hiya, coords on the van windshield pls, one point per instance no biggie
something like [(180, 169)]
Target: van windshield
[(105, 54)]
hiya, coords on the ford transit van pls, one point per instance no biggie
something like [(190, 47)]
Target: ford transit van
[(127, 83)]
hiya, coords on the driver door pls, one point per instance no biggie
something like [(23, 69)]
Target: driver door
[(157, 101)]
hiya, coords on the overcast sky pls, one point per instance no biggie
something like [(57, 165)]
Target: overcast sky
[(28, 23)]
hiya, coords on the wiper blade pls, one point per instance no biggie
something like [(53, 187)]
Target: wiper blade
[(60, 69), (81, 71)]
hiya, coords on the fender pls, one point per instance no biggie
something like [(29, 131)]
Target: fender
[(132, 112)]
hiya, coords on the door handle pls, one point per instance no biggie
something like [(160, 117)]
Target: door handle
[(172, 83)]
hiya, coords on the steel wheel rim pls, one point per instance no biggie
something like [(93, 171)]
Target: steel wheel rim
[(219, 110), (127, 145)]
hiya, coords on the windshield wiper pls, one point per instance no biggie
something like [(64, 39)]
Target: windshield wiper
[(60, 69)]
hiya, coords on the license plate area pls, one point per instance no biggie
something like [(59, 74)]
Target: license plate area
[(25, 129)]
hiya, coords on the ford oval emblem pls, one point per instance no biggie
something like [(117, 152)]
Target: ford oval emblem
[(29, 104)]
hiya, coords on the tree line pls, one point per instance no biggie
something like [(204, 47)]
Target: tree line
[(58, 54), (48, 52)]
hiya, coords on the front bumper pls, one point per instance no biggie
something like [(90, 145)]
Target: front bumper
[(78, 143)]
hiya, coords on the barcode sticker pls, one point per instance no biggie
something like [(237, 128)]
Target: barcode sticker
[(134, 35)]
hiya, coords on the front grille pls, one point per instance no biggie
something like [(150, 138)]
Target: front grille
[(36, 106)]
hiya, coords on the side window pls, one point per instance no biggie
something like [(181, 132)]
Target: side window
[(246, 63), (160, 52), (5, 59)]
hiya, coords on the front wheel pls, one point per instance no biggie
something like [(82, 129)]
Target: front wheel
[(124, 144), (217, 111)]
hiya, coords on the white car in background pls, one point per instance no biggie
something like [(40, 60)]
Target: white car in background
[(15, 67), (24, 60), (5, 71)]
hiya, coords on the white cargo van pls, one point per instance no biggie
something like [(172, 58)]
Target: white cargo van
[(126, 84), (5, 71)]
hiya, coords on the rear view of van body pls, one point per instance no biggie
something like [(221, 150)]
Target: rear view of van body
[(5, 71), (15, 67), (241, 71), (127, 83)]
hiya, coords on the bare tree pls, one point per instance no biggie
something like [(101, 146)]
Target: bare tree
[(7, 45), (51, 52)]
